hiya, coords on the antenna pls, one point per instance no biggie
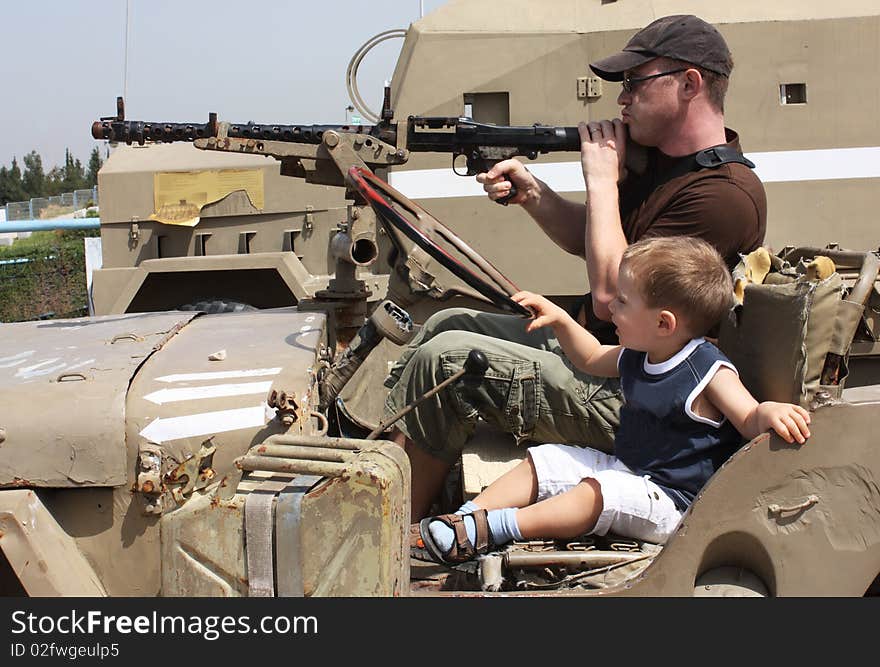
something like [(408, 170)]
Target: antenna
[(125, 50)]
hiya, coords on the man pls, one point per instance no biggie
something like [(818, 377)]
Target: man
[(674, 76)]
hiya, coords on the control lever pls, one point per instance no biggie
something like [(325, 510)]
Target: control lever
[(387, 321), (471, 375)]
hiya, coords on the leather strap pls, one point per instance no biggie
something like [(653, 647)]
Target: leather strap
[(715, 156)]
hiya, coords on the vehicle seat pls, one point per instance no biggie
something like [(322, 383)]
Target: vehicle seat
[(488, 454)]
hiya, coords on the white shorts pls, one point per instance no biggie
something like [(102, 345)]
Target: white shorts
[(633, 506)]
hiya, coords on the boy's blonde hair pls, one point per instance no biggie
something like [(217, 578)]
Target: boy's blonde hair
[(683, 274)]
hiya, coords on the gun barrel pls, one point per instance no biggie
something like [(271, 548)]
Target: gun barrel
[(135, 131), (131, 131)]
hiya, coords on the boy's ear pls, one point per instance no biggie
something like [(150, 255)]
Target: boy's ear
[(667, 323)]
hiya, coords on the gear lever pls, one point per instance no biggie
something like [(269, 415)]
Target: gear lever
[(475, 367)]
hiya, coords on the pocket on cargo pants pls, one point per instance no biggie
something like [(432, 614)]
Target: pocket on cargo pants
[(507, 397)]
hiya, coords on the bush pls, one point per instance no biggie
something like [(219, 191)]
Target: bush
[(45, 278)]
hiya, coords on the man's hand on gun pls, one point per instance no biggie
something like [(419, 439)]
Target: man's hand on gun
[(497, 181)]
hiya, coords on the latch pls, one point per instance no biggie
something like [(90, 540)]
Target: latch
[(134, 232), (194, 473), (161, 491), (149, 478)]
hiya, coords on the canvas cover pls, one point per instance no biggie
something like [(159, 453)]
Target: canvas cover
[(791, 335)]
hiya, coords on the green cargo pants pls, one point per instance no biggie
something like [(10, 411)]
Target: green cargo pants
[(531, 389)]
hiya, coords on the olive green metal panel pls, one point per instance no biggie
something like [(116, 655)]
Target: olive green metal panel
[(63, 385), (352, 535), (190, 395), (203, 549), (355, 533)]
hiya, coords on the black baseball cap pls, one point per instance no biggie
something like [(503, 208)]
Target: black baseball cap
[(680, 37)]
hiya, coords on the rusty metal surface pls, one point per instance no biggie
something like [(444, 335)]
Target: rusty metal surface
[(188, 400), (72, 375), (350, 536), (202, 549), (355, 527)]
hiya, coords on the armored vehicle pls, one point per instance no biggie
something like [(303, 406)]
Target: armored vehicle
[(199, 454)]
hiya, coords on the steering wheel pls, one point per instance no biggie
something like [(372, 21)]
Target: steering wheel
[(390, 206)]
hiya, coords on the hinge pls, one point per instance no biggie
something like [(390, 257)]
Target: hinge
[(589, 87)]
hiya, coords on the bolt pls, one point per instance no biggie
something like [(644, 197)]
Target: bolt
[(2, 435), (331, 139)]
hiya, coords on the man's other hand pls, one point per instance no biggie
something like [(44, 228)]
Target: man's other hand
[(603, 150)]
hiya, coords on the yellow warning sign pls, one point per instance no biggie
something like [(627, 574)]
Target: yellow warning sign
[(179, 196)]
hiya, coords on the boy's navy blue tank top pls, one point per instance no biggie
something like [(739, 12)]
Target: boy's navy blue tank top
[(659, 435)]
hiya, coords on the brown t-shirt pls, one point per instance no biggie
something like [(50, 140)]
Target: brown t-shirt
[(724, 205)]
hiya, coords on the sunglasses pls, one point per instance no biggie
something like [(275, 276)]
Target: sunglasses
[(629, 82)]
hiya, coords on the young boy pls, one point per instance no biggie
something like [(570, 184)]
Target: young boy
[(685, 413)]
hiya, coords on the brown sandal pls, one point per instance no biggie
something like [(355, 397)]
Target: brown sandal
[(462, 550)]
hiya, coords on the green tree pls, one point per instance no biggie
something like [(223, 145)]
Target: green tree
[(34, 180), (11, 188), (55, 181), (4, 179), (74, 174), (94, 165)]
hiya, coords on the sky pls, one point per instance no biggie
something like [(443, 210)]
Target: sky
[(267, 61)]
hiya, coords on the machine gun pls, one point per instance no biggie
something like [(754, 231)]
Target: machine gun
[(480, 145)]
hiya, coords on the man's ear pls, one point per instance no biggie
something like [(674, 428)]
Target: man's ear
[(667, 323), (693, 83)]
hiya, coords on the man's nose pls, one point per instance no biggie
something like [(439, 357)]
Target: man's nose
[(623, 98)]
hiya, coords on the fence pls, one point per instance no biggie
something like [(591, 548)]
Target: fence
[(49, 207)]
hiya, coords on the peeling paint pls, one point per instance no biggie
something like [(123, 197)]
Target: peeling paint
[(48, 366), (15, 359)]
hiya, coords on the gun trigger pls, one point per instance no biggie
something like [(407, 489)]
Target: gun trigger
[(455, 169), (505, 200)]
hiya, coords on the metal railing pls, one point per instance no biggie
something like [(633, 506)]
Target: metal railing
[(50, 207)]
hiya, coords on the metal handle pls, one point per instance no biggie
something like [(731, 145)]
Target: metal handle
[(70, 377), (811, 500)]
